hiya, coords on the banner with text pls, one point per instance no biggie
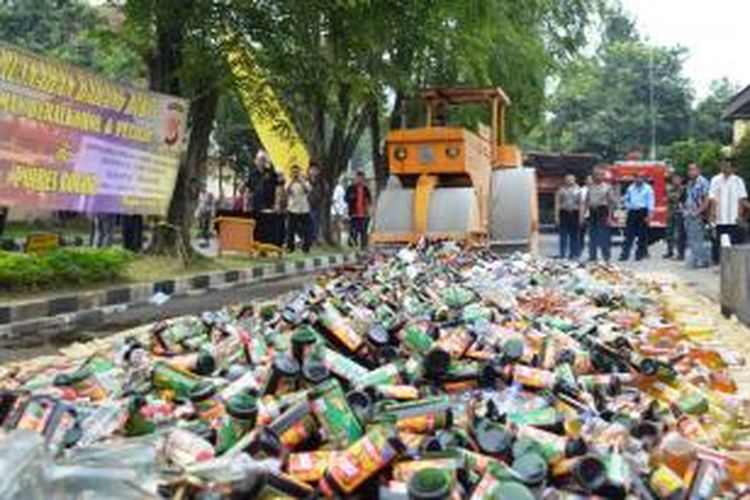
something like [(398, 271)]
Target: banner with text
[(72, 140)]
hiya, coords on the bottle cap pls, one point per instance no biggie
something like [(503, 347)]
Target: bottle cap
[(430, 484), (378, 335), (513, 350), (286, 365), (242, 407), (590, 473), (575, 447), (436, 363), (205, 364), (304, 336), (315, 371), (531, 468), (514, 490), (492, 438), (202, 392)]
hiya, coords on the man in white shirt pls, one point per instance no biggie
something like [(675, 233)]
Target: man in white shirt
[(727, 195)]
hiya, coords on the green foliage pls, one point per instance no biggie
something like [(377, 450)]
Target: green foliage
[(234, 133), (706, 122), (335, 63), (602, 103), (63, 267), (707, 154), (71, 31), (742, 157)]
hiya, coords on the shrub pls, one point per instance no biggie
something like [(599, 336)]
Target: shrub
[(19, 271)]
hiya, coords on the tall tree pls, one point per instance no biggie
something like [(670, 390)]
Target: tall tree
[(336, 63), (603, 103), (178, 39), (706, 122), (71, 31)]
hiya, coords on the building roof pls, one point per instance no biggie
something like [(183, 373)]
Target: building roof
[(739, 106), (464, 95), (562, 163)]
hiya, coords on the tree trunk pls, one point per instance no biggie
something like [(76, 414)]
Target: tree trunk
[(189, 177), (379, 163), (173, 237)]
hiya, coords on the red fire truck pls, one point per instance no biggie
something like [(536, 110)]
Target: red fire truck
[(622, 173)]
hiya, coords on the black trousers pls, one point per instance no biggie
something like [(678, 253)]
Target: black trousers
[(132, 232), (299, 225), (264, 227), (570, 234), (636, 227), (358, 227), (735, 236), (676, 236)]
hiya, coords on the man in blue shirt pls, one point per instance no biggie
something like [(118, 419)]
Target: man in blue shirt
[(639, 203)]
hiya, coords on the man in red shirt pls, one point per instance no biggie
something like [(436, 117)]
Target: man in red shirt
[(358, 199)]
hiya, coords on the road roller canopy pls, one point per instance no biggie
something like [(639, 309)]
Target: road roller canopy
[(464, 95), (437, 98)]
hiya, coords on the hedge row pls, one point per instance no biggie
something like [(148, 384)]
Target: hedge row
[(66, 266)]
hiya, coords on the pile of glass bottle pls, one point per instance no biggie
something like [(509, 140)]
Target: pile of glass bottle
[(436, 372)]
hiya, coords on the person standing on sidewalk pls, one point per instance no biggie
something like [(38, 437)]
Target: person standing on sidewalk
[(263, 181), (639, 204), (675, 219), (279, 215), (298, 208), (318, 190), (727, 194), (339, 211), (599, 204), (358, 199), (696, 208), (584, 225), (568, 217), (204, 214)]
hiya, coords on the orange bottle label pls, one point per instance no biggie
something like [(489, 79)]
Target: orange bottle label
[(310, 466), (362, 460)]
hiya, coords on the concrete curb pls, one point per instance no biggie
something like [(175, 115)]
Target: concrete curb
[(89, 309)]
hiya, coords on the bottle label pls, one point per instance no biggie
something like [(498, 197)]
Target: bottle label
[(362, 460), (36, 416), (400, 392), (299, 432), (539, 418), (386, 375), (309, 466), (533, 377), (342, 366), (337, 325), (665, 482), (417, 340), (403, 471), (340, 425), (423, 423)]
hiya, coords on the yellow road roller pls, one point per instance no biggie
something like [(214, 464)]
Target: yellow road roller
[(450, 182)]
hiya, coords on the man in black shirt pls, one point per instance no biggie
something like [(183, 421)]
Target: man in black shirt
[(262, 182)]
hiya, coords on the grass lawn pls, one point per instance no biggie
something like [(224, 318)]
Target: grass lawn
[(150, 268)]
